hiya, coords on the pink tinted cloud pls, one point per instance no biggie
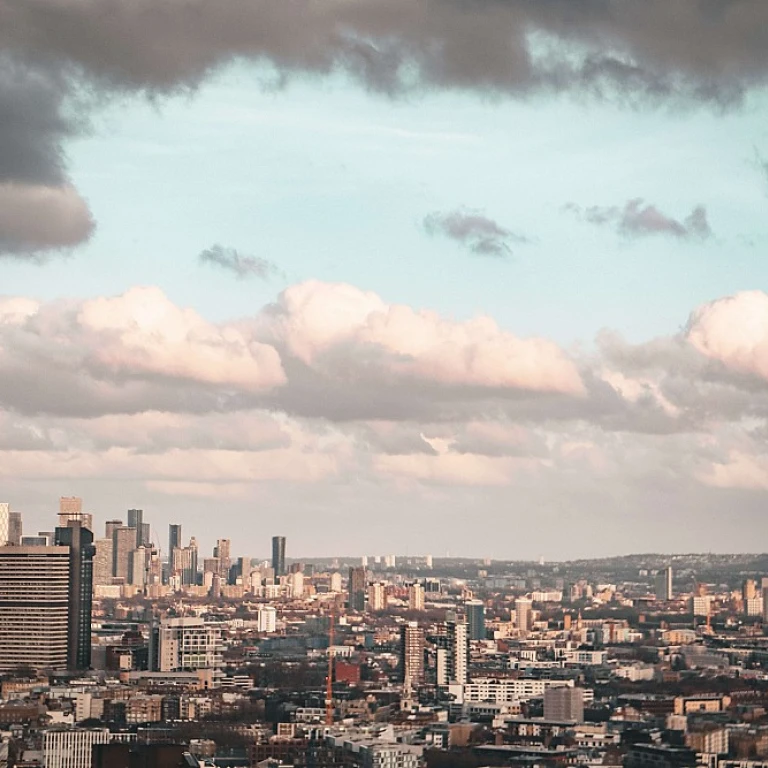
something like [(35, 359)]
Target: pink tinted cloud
[(733, 330), (317, 319)]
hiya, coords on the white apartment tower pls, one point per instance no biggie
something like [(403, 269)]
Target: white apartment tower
[(415, 597)]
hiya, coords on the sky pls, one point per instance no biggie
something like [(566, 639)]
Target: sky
[(483, 278)]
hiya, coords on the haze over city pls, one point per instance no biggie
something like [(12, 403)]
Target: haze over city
[(418, 278)]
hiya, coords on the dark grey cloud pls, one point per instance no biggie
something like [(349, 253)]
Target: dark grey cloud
[(240, 265), (639, 219), (695, 49), (39, 211), (687, 52), (478, 233)]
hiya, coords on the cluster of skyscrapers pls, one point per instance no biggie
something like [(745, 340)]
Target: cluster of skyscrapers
[(47, 579)]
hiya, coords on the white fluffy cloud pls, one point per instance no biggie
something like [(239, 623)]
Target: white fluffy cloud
[(318, 322), (734, 330), (331, 401)]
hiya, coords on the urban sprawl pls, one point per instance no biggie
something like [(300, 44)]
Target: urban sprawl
[(118, 651)]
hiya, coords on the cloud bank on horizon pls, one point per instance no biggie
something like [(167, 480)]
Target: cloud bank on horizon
[(53, 51), (331, 385)]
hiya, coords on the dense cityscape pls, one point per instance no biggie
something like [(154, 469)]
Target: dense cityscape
[(115, 653)]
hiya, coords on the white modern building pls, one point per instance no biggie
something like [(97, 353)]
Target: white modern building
[(488, 689), (189, 643), (72, 748), (266, 619)]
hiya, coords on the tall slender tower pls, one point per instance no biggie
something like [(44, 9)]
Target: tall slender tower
[(412, 656), (357, 589), (174, 539), (79, 540), (278, 555)]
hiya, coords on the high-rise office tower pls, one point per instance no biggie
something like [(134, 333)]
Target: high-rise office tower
[(79, 541), (5, 512), (136, 520), (476, 619), (146, 534), (103, 561), (523, 617), (278, 555), (748, 590), (415, 597), (564, 704), (663, 584), (71, 508), (411, 656), (34, 607), (185, 562), (222, 552), (124, 542), (174, 539), (357, 589), (111, 526), (14, 528), (140, 558)]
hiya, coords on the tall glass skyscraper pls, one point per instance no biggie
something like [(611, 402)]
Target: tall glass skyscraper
[(476, 619), (278, 555)]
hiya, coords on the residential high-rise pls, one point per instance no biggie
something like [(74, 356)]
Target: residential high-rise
[(14, 528), (357, 589), (415, 597), (103, 561), (71, 509), (765, 605), (476, 619), (411, 656), (458, 651), (124, 542), (10, 526), (111, 526), (278, 555), (5, 512), (34, 607), (663, 584), (523, 614), (266, 619), (79, 541), (174, 539), (564, 704), (377, 598)]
